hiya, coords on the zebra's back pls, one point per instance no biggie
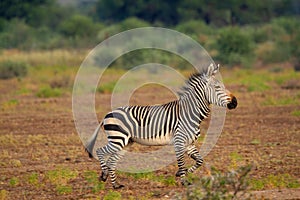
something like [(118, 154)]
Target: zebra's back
[(147, 125)]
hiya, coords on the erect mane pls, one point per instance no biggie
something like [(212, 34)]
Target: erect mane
[(187, 87)]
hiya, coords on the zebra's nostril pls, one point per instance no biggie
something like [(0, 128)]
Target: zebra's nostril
[(233, 103)]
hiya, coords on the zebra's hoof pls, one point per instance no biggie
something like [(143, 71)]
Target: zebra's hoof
[(103, 176), (185, 182), (118, 186)]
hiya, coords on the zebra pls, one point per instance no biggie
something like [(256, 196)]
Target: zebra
[(176, 123)]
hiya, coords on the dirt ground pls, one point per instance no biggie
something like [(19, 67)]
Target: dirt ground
[(38, 135)]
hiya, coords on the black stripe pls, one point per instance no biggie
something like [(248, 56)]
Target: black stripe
[(120, 117), (117, 138), (113, 127), (110, 115), (117, 143)]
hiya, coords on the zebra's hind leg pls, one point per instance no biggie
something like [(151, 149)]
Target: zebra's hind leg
[(101, 153), (193, 153), (112, 163)]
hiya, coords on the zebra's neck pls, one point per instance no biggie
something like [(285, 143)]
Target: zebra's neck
[(193, 98), (194, 102)]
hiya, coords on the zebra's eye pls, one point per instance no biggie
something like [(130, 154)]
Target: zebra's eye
[(217, 87)]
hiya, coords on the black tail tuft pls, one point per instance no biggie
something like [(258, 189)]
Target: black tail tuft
[(89, 146), (90, 155)]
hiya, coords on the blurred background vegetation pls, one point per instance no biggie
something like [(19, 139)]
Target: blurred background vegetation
[(234, 32)]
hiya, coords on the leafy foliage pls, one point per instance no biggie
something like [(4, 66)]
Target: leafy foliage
[(79, 26), (273, 26), (229, 185), (234, 47)]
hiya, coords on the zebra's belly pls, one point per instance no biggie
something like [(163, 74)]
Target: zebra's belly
[(158, 141)]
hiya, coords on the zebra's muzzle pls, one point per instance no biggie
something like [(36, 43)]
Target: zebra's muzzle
[(233, 104)]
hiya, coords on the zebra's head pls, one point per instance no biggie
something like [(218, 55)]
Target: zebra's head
[(215, 92)]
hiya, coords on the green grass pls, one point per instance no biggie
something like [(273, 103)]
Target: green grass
[(10, 104), (169, 181), (259, 80), (255, 142), (235, 159), (147, 175), (60, 178), (274, 181), (61, 175), (47, 92), (33, 179), (112, 195), (281, 101), (92, 178), (64, 189), (14, 181), (106, 87), (151, 176), (296, 113), (252, 80)]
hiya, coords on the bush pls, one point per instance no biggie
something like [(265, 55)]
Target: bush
[(11, 69), (234, 47), (194, 27), (269, 52), (16, 34), (79, 26), (287, 42), (230, 185), (127, 24)]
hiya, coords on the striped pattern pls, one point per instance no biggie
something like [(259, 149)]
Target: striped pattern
[(176, 122)]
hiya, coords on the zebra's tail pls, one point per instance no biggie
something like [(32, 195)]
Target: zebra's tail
[(89, 146)]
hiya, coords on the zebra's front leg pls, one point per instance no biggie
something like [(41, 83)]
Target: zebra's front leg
[(112, 164), (193, 153), (180, 151)]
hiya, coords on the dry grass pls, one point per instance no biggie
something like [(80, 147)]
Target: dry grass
[(58, 57)]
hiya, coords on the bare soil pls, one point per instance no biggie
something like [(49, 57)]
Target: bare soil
[(38, 135)]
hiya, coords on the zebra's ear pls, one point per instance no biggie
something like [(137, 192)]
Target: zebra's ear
[(212, 70)]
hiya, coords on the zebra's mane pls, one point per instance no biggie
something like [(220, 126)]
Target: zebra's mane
[(188, 86)]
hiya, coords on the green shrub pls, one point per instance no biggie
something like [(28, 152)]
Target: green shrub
[(234, 47), (79, 26), (11, 69), (196, 29), (127, 24), (229, 185), (287, 43), (142, 56), (269, 52), (16, 34)]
